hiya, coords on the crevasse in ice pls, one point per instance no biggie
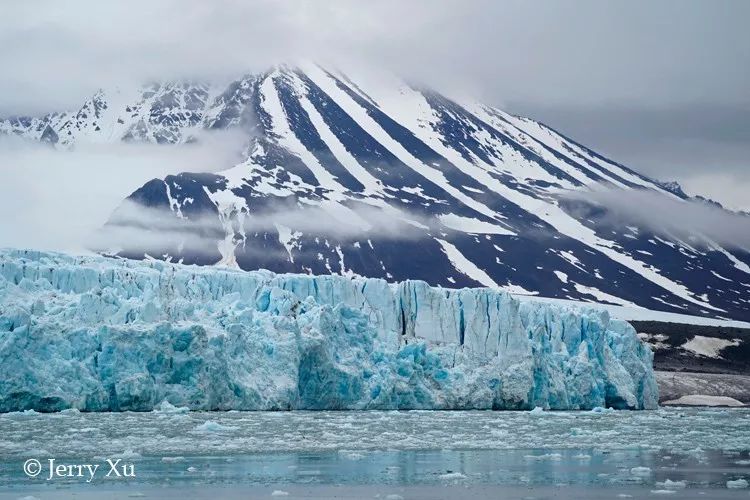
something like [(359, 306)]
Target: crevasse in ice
[(103, 334)]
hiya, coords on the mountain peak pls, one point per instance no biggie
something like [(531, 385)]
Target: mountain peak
[(379, 178)]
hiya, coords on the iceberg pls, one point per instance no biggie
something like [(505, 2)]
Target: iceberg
[(100, 334)]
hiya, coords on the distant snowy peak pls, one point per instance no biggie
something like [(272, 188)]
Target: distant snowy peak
[(374, 177), (158, 112), (174, 112)]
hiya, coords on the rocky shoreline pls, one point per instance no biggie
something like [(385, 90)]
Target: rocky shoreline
[(710, 362)]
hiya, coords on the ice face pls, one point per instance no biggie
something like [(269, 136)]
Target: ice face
[(102, 334)]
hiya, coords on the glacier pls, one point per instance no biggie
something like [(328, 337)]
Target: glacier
[(108, 334)]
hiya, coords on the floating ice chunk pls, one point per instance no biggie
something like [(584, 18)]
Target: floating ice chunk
[(211, 426), (641, 471), (279, 493), (672, 485), (737, 484), (538, 410), (452, 476), (171, 460), (663, 492), (547, 456), (351, 455), (599, 409), (37, 452), (167, 407)]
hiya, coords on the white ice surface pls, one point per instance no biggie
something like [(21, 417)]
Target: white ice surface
[(704, 400)]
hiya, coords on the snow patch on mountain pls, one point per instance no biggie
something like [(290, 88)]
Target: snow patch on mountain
[(708, 346)]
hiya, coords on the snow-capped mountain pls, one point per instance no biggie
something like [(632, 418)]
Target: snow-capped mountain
[(161, 113), (378, 178)]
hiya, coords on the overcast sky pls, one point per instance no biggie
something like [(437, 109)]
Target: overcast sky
[(663, 87)]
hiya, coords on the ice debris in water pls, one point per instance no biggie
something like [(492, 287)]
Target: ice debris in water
[(554, 457), (737, 484), (211, 426), (167, 407), (100, 334), (671, 485), (641, 471)]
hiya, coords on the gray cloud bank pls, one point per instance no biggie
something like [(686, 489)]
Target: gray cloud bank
[(582, 52), (660, 86), (150, 230), (56, 200), (704, 147), (696, 222)]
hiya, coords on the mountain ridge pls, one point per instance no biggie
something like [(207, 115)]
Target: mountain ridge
[(399, 182)]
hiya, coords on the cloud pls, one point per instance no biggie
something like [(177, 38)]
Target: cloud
[(513, 51), (140, 229), (704, 147), (692, 221), (52, 199), (61, 53)]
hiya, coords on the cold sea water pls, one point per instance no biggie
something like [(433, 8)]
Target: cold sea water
[(675, 452)]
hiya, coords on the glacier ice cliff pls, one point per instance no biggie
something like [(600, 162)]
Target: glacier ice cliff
[(100, 334)]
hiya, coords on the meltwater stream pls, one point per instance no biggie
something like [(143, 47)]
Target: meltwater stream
[(700, 453)]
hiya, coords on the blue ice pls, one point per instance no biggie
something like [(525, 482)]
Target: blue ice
[(101, 334)]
